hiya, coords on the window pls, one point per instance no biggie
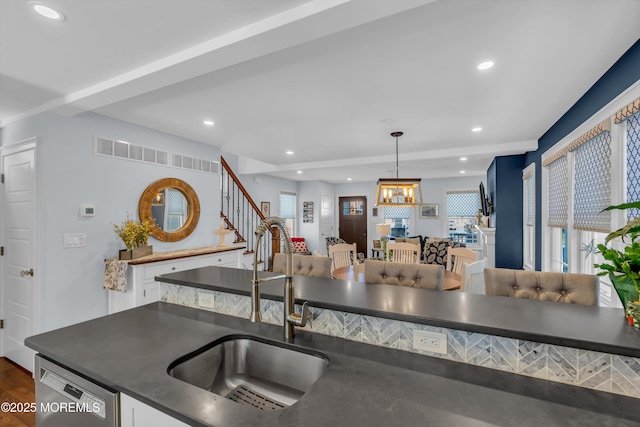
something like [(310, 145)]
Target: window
[(288, 211), (399, 217), (596, 165), (462, 215), (176, 209), (529, 217)]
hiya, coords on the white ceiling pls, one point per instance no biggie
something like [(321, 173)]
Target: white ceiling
[(328, 79)]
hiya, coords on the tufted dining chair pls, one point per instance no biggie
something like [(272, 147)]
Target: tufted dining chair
[(571, 288), (456, 257), (304, 265), (404, 252)]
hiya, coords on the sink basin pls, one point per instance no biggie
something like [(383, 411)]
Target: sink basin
[(252, 371)]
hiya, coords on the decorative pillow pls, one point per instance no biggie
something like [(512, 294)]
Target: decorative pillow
[(435, 252), (414, 240), (299, 244)]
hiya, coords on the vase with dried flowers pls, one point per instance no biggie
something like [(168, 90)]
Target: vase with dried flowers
[(135, 235)]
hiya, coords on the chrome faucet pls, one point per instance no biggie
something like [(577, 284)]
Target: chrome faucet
[(291, 319)]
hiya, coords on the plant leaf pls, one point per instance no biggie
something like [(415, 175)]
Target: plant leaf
[(623, 206)]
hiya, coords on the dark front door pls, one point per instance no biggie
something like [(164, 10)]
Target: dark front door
[(353, 221)]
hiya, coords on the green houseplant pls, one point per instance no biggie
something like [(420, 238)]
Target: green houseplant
[(623, 266), (134, 235)]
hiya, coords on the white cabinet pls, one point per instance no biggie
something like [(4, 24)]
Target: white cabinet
[(142, 287), (134, 413)]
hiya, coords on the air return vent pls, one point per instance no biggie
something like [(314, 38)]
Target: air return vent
[(138, 153)]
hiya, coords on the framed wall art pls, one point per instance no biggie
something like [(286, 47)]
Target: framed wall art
[(429, 211), (265, 208)]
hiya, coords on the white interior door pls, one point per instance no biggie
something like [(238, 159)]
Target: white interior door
[(18, 262), (326, 219)]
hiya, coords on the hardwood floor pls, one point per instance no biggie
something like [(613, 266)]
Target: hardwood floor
[(16, 386)]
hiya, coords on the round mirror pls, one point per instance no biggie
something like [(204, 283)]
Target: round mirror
[(173, 208)]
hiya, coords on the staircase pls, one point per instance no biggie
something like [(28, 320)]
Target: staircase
[(241, 215)]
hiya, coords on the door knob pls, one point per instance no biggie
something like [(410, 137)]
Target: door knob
[(29, 272)]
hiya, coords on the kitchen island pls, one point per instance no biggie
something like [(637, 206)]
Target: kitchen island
[(364, 385)]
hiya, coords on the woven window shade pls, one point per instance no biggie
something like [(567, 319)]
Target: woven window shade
[(628, 110), (633, 163), (592, 184), (558, 192), (463, 203), (605, 126)]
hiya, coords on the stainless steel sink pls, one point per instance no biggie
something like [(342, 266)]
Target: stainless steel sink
[(252, 371)]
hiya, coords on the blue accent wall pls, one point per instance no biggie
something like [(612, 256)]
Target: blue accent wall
[(507, 204), (624, 73)]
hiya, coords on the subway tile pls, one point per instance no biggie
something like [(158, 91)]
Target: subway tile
[(625, 375), (532, 359), (504, 354), (478, 351), (594, 370), (562, 364)]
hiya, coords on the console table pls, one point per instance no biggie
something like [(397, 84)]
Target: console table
[(141, 285)]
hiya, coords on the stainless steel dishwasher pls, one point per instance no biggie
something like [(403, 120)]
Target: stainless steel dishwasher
[(64, 398)]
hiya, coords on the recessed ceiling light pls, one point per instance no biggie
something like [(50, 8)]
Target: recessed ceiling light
[(476, 129), (299, 171), (290, 152), (463, 159), (485, 65), (348, 179), (463, 171), (47, 12), (208, 122)]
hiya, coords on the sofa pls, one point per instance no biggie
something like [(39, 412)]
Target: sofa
[(412, 275), (571, 288)]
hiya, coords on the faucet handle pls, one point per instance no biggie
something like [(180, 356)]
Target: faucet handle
[(300, 319)]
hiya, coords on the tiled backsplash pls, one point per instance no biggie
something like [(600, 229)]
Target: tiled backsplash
[(584, 368)]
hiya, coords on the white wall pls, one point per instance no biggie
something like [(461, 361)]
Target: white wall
[(69, 174), (310, 191)]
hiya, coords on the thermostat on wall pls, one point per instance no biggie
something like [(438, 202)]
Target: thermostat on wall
[(87, 210)]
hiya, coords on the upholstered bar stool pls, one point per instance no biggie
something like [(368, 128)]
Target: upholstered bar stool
[(426, 276), (304, 265), (571, 288)]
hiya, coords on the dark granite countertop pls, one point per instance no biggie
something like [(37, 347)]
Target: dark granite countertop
[(590, 328), (364, 385)]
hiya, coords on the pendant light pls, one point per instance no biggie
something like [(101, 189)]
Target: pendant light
[(396, 191)]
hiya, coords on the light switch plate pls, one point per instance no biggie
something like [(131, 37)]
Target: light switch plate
[(75, 240)]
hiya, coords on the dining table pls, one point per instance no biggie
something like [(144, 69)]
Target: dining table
[(452, 281)]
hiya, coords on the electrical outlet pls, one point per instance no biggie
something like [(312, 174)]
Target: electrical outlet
[(205, 300), (434, 342)]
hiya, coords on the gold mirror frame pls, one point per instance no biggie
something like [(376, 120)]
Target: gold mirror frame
[(144, 209)]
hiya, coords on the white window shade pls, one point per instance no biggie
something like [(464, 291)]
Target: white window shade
[(398, 212), (287, 205), (531, 215), (558, 192), (592, 184)]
